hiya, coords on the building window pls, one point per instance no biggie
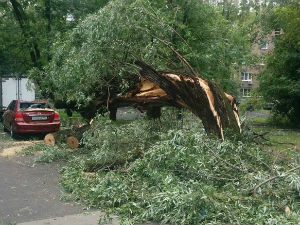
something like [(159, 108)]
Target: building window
[(262, 60), (70, 17), (264, 45), (245, 92), (246, 76)]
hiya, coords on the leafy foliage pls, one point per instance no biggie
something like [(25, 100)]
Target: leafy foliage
[(42, 20), (185, 177), (96, 59), (47, 154)]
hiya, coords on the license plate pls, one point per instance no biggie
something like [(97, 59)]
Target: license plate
[(39, 118)]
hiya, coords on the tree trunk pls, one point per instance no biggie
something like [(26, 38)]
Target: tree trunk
[(48, 17), (71, 136), (205, 99), (50, 139), (73, 141), (23, 23), (154, 113), (113, 113)]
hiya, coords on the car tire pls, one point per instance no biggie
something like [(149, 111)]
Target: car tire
[(12, 133), (4, 128)]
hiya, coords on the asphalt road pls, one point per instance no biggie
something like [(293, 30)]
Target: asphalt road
[(30, 191)]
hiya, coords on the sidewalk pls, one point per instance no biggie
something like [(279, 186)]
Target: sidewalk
[(89, 218)]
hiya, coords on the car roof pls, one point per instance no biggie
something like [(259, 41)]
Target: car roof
[(35, 101)]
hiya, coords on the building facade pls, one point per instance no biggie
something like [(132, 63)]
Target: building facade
[(248, 74)]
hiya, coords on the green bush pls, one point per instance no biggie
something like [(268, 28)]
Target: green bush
[(67, 121), (282, 120)]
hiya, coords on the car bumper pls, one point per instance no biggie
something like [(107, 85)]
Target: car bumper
[(37, 127)]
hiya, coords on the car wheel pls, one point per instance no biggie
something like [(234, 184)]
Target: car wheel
[(12, 133), (4, 128)]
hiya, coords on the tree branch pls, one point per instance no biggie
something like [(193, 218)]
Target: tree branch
[(178, 55), (270, 179)]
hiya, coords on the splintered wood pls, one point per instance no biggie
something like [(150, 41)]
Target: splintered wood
[(216, 109)]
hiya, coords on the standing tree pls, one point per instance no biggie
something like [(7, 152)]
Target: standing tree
[(28, 29), (280, 81)]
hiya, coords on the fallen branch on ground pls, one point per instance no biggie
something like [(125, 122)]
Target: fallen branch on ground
[(272, 178)]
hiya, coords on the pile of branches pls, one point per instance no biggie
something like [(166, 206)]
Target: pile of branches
[(183, 177)]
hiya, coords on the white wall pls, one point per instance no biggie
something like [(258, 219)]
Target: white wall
[(10, 90)]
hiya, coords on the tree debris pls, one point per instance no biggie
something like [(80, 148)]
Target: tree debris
[(254, 190)]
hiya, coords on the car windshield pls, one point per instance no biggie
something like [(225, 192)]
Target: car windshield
[(32, 105)]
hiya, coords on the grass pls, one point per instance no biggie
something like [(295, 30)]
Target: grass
[(259, 121), (281, 141), (2, 222), (279, 137)]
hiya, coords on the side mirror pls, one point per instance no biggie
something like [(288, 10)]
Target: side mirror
[(4, 109)]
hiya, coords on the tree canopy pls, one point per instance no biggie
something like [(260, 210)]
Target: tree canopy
[(28, 29), (279, 82), (95, 59)]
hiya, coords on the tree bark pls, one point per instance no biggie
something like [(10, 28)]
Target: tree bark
[(48, 17), (205, 99), (23, 23), (73, 140), (113, 113), (154, 112)]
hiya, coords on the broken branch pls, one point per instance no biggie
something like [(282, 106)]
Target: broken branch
[(272, 178)]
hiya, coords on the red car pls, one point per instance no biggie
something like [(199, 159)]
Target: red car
[(30, 117)]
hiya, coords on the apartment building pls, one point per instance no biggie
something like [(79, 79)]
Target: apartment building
[(248, 74)]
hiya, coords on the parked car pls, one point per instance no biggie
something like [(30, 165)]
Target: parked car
[(30, 117)]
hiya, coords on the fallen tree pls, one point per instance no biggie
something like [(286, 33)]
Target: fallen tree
[(216, 109)]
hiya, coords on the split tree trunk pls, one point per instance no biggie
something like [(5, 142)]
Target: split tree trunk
[(205, 99)]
